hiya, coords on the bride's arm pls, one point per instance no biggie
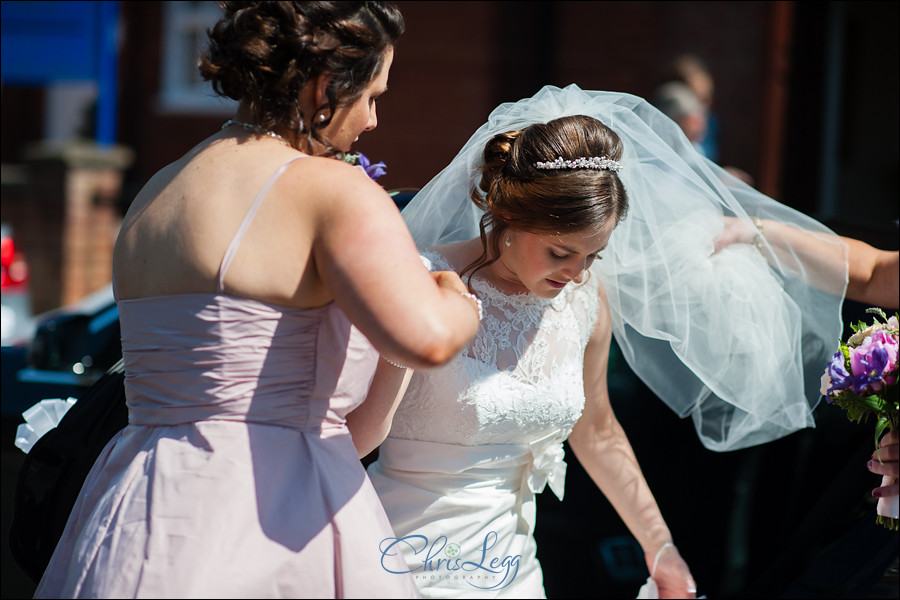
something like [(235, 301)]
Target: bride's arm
[(370, 422), (601, 446)]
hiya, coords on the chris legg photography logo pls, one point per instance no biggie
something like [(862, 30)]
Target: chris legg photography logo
[(452, 561)]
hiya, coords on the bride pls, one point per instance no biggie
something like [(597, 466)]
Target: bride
[(575, 216)]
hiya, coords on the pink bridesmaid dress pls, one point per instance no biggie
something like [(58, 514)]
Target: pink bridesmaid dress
[(236, 476)]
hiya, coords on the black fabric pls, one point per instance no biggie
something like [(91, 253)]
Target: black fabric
[(56, 467)]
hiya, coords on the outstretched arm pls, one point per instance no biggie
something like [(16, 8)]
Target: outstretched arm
[(873, 274), (601, 446)]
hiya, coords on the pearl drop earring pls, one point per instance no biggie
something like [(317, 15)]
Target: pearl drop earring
[(322, 118), (507, 241)]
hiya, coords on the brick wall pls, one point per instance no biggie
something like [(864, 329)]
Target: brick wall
[(63, 205)]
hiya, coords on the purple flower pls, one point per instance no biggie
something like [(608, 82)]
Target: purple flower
[(876, 354), (871, 379), (840, 378), (372, 170)]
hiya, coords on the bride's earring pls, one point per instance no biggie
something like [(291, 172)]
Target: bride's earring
[(507, 241)]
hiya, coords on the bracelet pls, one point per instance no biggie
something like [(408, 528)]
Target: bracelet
[(760, 236), (658, 554), (390, 362), (478, 305)]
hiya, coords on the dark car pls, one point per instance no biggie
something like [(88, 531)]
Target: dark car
[(71, 348)]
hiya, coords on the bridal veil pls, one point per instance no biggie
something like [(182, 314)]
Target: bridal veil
[(726, 338)]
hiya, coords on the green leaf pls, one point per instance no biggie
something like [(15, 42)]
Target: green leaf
[(875, 403), (877, 311)]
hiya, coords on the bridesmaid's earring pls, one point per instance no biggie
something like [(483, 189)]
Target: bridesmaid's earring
[(507, 241)]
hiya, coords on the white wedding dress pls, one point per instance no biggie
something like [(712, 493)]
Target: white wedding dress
[(473, 441)]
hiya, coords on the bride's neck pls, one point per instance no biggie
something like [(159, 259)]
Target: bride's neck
[(499, 275)]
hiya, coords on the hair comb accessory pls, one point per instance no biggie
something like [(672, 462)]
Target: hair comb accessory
[(598, 163)]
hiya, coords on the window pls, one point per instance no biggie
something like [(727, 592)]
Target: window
[(184, 39)]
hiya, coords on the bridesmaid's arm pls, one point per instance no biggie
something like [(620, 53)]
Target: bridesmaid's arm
[(601, 446), (368, 262), (872, 273), (370, 422)]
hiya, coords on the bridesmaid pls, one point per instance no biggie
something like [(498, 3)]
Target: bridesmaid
[(258, 279)]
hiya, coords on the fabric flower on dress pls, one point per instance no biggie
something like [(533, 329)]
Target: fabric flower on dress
[(548, 466)]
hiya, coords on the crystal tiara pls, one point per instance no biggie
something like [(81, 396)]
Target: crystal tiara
[(599, 163)]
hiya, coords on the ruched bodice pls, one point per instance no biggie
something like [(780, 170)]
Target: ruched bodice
[(261, 363)]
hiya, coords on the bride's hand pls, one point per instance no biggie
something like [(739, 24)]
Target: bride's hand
[(673, 577)]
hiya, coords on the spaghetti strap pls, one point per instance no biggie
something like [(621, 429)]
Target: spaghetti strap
[(248, 218)]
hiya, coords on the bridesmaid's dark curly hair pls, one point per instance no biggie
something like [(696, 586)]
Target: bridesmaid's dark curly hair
[(262, 53), (514, 194)]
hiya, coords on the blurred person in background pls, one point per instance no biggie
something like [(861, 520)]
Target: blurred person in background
[(693, 72), (685, 95)]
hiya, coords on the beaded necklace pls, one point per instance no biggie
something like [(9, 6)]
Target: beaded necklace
[(255, 129)]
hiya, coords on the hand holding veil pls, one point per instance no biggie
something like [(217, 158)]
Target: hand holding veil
[(728, 338)]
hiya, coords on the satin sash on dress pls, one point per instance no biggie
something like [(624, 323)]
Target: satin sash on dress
[(474, 493)]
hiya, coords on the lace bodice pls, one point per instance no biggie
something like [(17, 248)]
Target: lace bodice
[(519, 380)]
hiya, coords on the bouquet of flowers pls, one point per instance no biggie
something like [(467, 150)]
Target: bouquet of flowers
[(862, 379)]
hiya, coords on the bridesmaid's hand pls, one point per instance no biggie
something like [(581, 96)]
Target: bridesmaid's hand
[(735, 231), (673, 577), (884, 462), (449, 280)]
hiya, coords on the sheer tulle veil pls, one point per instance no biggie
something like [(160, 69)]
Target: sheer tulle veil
[(725, 338)]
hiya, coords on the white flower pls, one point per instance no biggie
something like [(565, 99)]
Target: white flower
[(825, 383), (857, 338)]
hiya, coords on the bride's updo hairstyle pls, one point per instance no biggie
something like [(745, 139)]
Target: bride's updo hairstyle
[(516, 194), (262, 53)]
